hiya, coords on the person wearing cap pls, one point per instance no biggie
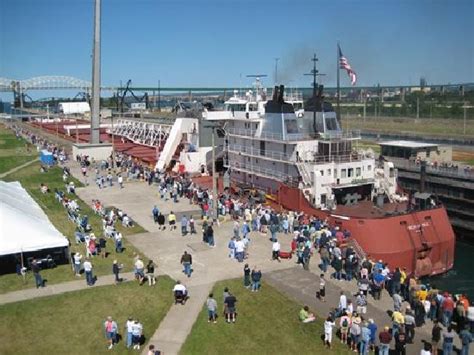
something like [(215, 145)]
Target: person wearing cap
[(373, 334), (385, 338), (355, 332)]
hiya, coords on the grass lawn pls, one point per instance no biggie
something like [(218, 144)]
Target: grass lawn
[(267, 323), (14, 151), (72, 323), (31, 178)]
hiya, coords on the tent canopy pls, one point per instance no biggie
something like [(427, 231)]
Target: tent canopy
[(24, 227)]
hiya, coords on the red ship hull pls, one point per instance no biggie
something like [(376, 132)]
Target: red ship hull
[(420, 241)]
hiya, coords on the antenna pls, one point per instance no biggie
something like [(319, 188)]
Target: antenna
[(314, 73)]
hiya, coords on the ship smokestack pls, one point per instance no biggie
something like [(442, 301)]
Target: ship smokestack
[(280, 95), (275, 93)]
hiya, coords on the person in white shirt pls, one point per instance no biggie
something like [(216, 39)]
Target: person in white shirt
[(342, 302), (128, 329), (180, 292), (276, 250), (77, 264), (120, 181), (139, 270), (239, 250), (328, 326), (137, 330), (88, 271)]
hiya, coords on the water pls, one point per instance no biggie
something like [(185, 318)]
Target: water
[(460, 279)]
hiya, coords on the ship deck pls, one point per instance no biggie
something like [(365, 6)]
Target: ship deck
[(366, 209)]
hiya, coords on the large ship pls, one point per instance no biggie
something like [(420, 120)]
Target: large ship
[(303, 161), (309, 164)]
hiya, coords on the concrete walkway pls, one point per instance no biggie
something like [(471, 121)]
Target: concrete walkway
[(210, 265), (57, 289), (11, 171)]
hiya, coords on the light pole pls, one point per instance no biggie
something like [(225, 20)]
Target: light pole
[(77, 132), (214, 177), (213, 126), (465, 117), (113, 141)]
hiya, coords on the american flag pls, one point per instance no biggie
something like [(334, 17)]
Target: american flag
[(344, 64)]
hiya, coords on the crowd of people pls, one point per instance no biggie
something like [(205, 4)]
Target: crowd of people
[(414, 303)]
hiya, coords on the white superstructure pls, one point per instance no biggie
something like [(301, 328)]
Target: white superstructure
[(308, 151)]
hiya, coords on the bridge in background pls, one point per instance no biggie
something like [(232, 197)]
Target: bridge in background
[(56, 82)]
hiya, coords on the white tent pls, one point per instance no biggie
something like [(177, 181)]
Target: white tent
[(24, 227)]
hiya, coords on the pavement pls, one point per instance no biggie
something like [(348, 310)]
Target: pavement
[(55, 289), (210, 264), (11, 171)]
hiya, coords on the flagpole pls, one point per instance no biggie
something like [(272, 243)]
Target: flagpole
[(338, 92)]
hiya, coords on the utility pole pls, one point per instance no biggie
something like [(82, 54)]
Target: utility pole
[(417, 108), (95, 112), (214, 177), (465, 117), (276, 70), (113, 142), (365, 105), (77, 132), (159, 96)]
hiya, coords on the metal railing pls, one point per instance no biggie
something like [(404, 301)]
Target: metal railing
[(258, 152), (269, 135), (356, 134), (291, 158), (460, 172), (269, 173)]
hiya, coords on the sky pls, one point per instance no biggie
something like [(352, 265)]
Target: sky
[(218, 42)]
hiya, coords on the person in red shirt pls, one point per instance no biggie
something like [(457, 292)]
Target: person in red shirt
[(385, 338), (447, 306)]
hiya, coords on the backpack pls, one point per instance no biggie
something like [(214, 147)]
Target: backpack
[(345, 323)]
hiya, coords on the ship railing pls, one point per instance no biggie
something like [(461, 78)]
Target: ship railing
[(304, 156), (461, 172), (258, 170), (233, 148), (229, 115), (268, 135), (356, 134)]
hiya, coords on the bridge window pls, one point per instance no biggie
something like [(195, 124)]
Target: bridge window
[(343, 173), (369, 167), (350, 172), (358, 172)]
